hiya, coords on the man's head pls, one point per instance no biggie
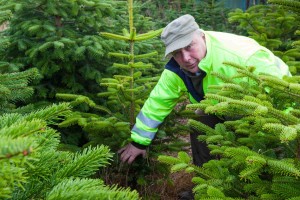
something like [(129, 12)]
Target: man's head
[(185, 42)]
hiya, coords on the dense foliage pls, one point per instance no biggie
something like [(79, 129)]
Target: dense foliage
[(126, 92), (257, 145), (274, 27), (165, 11), (56, 47), (61, 39), (32, 166)]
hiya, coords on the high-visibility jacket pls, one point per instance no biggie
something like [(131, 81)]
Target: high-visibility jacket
[(173, 83)]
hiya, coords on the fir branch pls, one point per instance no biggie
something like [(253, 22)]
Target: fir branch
[(256, 161), (106, 94), (274, 80), (15, 147), (120, 55), (240, 153), (249, 75), (5, 15), (295, 112), (292, 5), (115, 36), (11, 177), (121, 66), (259, 109), (221, 76), (289, 88), (80, 99), (78, 189), (86, 163), (288, 134), (147, 55), (168, 160), (242, 70), (23, 128), (9, 119), (215, 193), (19, 77), (286, 186), (284, 168), (48, 139), (140, 65), (49, 161), (51, 114), (284, 117), (234, 87), (214, 139), (110, 80), (149, 35), (122, 78), (200, 127), (70, 121), (145, 80)]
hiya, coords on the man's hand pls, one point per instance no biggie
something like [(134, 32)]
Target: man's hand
[(130, 152)]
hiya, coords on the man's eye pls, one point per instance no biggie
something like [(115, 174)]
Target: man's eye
[(189, 46), (174, 54)]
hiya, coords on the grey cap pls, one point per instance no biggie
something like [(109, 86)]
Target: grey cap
[(179, 33)]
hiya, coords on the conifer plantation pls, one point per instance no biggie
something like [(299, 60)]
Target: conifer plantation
[(74, 75)]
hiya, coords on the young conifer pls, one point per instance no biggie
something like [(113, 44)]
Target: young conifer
[(257, 146), (275, 27), (31, 166), (126, 92), (61, 39)]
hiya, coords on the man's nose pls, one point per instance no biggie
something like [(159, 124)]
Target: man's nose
[(185, 56)]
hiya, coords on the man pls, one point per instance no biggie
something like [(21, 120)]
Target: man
[(194, 54)]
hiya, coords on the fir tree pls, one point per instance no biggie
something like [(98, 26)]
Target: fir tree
[(61, 39), (33, 168), (203, 12), (274, 27), (130, 90), (293, 5), (5, 13), (257, 146), (14, 85), (14, 88), (165, 11), (126, 92)]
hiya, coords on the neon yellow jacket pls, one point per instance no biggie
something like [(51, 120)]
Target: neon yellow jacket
[(221, 47)]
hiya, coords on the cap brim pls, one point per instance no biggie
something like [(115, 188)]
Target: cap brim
[(179, 43)]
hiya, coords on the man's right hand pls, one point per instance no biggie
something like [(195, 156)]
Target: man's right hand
[(130, 152)]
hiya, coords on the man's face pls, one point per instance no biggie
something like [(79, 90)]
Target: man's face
[(189, 57)]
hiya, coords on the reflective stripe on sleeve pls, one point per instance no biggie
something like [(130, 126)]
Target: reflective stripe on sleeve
[(147, 121), (143, 133), (139, 139)]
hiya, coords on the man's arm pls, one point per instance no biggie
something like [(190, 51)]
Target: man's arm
[(160, 103)]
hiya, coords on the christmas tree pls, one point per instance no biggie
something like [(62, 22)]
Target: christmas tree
[(257, 146), (61, 39)]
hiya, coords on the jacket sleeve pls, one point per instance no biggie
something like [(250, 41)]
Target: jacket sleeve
[(160, 103)]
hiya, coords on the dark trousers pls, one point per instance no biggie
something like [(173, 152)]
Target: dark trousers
[(200, 152)]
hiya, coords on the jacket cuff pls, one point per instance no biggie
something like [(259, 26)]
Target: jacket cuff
[(137, 145)]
